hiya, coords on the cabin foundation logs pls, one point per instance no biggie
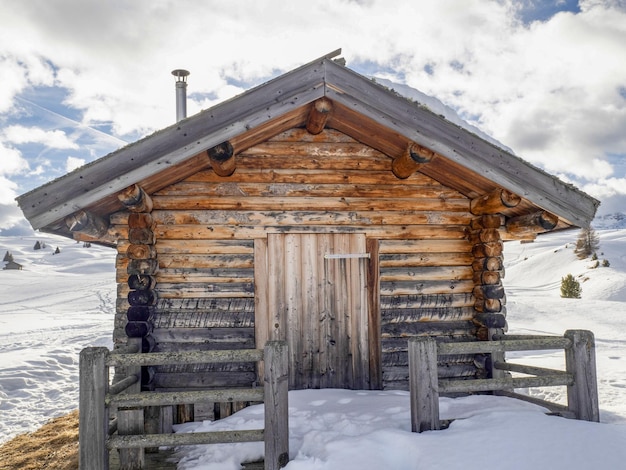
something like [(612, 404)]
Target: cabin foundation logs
[(489, 296), (142, 268)]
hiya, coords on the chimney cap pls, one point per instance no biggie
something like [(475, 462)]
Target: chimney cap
[(180, 74)]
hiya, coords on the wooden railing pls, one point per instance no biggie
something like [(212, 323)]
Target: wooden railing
[(97, 435), (579, 375)]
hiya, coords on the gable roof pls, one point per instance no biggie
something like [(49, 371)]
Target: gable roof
[(366, 111)]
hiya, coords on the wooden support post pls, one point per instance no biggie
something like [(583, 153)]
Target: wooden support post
[(318, 116), (531, 224), (222, 159), (276, 405), (494, 202), (131, 421), (93, 425), (135, 199), (580, 360), (423, 384), (411, 160), (88, 224)]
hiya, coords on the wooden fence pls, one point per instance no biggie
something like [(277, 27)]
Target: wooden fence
[(97, 436), (579, 376)]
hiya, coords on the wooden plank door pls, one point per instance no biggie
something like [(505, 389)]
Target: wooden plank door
[(312, 292)]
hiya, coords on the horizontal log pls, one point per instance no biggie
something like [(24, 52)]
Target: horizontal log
[(427, 328), (490, 320), (141, 236), (485, 385), (203, 319), (411, 160), (202, 346), (205, 380), (140, 313), (425, 259), (141, 251), (422, 232), (138, 329), (494, 202), (135, 199), (487, 221), (87, 223), (533, 343), (426, 273), (488, 305), (232, 305), (146, 267), (200, 335), (486, 235), (391, 344), (140, 220), (236, 261), (142, 297), (216, 357), (492, 263), (209, 367), (309, 176), (304, 203), (141, 282), (487, 277), (205, 275), (391, 373), (524, 369), (222, 159), (201, 290), (425, 287), (309, 217), (423, 246), (318, 116), (540, 221), (489, 291), (205, 247), (427, 314), (488, 250), (426, 301), (181, 398), (313, 154), (196, 438)]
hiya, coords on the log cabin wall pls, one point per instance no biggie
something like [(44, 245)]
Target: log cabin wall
[(207, 226)]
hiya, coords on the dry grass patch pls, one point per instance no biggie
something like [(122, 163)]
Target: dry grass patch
[(53, 446)]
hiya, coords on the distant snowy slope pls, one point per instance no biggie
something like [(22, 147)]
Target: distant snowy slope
[(56, 305)]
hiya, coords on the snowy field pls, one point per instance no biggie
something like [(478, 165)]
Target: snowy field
[(60, 303)]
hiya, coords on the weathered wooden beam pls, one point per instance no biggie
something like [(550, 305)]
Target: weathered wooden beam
[(318, 116), (414, 157), (135, 199), (424, 384), (87, 223), (141, 251), (580, 361), (222, 159), (490, 320), (540, 221), (276, 389), (487, 221), (494, 202)]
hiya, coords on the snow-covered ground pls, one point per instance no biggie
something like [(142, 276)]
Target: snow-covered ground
[(60, 303)]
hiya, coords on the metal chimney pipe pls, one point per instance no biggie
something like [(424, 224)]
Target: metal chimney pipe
[(181, 93)]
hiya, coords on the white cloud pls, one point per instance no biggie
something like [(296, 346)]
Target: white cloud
[(53, 139), (72, 163), (11, 163)]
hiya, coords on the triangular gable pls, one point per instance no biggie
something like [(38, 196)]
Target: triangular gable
[(362, 109)]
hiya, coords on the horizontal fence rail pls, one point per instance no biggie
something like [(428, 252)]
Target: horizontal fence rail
[(97, 434), (579, 376)]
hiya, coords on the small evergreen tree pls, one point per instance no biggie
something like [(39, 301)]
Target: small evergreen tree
[(605, 263), (57, 251), (37, 246), (8, 257), (570, 287), (587, 243)]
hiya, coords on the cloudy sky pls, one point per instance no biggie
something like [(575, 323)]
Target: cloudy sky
[(80, 78)]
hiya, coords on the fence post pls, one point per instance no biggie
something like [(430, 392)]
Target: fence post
[(580, 361), (276, 380), (93, 424), (423, 384)]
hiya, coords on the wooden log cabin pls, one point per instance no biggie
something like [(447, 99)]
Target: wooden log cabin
[(319, 208)]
